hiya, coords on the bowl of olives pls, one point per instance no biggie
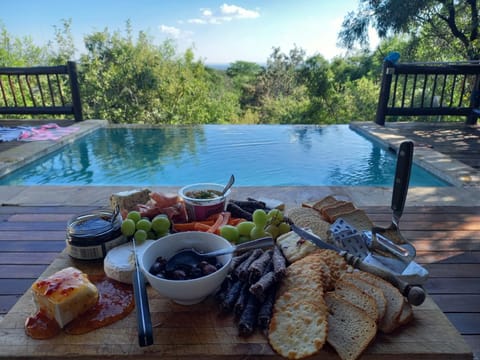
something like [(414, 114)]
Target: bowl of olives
[(185, 285)]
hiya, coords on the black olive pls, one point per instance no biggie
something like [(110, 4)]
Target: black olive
[(208, 269), (156, 268), (179, 275), (196, 273)]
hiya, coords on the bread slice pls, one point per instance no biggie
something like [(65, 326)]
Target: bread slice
[(332, 212), (357, 297), (370, 289), (395, 300), (350, 329), (406, 315), (324, 202), (357, 218)]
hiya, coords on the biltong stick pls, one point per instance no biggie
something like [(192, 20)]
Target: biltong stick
[(238, 212), (222, 292), (231, 296), (265, 312), (241, 272), (260, 288), (257, 267), (247, 322), (241, 300), (279, 263), (237, 260)]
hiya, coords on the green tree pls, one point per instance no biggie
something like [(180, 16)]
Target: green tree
[(451, 24)]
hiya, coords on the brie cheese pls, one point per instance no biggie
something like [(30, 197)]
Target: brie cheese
[(119, 264)]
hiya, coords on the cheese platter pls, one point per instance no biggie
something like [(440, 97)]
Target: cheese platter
[(203, 330)]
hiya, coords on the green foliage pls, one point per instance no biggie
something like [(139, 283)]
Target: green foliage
[(448, 25)]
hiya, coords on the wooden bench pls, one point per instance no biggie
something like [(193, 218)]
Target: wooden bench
[(429, 89), (49, 90)]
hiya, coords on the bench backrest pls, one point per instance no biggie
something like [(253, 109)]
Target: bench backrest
[(51, 90), (423, 89)]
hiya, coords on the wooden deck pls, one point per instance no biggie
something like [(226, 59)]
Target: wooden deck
[(447, 240)]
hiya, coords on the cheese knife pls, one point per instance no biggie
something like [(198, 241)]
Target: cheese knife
[(144, 321), (415, 294)]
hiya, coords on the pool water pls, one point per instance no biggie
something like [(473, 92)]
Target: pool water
[(258, 155)]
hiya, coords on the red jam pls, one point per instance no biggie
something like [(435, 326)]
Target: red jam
[(115, 302)]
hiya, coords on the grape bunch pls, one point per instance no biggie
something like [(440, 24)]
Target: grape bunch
[(263, 224), (142, 228)]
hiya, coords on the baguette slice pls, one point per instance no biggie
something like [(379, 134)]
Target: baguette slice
[(350, 329), (370, 289), (395, 300), (357, 297), (406, 315)]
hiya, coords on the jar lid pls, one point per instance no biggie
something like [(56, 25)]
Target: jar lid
[(94, 226)]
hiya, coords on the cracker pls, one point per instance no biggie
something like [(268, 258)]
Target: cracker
[(299, 331)]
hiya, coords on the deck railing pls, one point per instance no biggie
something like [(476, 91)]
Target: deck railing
[(429, 89), (49, 90)]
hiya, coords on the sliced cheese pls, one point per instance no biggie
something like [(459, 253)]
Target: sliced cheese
[(119, 264), (65, 295)]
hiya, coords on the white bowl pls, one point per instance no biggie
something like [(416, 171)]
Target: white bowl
[(200, 209), (186, 292)]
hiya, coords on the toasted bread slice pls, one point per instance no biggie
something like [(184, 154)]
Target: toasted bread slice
[(358, 297), (350, 329), (370, 289), (395, 300), (330, 213)]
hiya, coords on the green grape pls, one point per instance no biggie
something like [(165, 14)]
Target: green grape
[(259, 217), (140, 236), (273, 230), (161, 224), (134, 215), (143, 224), (283, 228), (243, 238), (257, 232), (230, 233), (128, 227), (245, 227), (152, 235), (275, 216)]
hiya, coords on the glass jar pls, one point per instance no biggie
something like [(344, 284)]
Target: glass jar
[(91, 235)]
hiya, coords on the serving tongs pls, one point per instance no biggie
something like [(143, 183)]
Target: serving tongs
[(392, 236), (144, 321)]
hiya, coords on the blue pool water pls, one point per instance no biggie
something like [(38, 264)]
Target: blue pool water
[(258, 155)]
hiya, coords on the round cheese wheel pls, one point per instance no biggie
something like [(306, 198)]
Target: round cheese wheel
[(119, 264)]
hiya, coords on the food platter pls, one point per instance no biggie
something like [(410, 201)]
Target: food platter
[(202, 331)]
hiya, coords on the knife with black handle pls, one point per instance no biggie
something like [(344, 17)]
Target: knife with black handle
[(415, 294), (144, 321)]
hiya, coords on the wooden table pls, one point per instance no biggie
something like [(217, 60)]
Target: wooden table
[(199, 331)]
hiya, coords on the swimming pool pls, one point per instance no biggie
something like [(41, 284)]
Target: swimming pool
[(258, 155)]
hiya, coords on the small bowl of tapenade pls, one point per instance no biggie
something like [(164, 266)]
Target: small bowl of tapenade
[(203, 200)]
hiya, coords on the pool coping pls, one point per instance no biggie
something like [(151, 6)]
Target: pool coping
[(464, 179), (443, 166)]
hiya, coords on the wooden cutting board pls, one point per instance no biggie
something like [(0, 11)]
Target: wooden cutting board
[(200, 331)]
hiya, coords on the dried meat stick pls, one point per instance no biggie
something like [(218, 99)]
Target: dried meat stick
[(237, 260), (258, 266), (266, 309), (241, 272), (260, 288), (247, 322), (231, 296), (241, 300), (279, 263)]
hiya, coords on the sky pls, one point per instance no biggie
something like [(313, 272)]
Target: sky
[(219, 32)]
